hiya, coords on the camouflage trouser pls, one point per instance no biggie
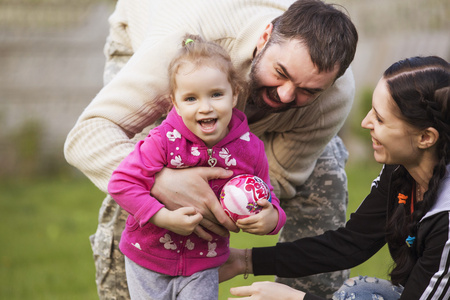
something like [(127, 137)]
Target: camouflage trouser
[(109, 261), (320, 205)]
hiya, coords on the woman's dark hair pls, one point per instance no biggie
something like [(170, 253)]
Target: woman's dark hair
[(420, 87)]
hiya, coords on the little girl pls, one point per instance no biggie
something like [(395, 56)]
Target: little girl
[(164, 259)]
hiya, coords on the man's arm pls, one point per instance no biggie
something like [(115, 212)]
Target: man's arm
[(134, 99)]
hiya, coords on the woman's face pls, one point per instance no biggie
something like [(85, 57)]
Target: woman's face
[(393, 140)]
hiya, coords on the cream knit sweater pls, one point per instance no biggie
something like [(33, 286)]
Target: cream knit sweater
[(137, 96)]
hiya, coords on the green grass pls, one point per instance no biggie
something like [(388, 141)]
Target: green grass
[(45, 251)]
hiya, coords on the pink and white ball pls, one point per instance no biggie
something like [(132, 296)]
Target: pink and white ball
[(240, 194)]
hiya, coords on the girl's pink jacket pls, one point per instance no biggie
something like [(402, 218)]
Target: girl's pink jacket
[(172, 145)]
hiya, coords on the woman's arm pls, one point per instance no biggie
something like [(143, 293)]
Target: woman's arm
[(340, 249), (346, 247)]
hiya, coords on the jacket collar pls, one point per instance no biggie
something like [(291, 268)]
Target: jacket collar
[(443, 197), (237, 127)]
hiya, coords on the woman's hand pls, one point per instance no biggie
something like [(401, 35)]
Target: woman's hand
[(189, 187), (236, 264), (266, 290)]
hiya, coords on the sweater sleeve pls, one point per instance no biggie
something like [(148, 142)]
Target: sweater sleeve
[(344, 248), (135, 98), (132, 181)]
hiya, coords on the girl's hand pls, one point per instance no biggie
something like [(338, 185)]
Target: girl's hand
[(262, 223), (266, 290), (182, 221)]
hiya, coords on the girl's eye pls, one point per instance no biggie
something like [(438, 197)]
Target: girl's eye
[(216, 95), (190, 99)]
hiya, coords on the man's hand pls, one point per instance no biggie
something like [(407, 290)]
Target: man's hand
[(189, 188)]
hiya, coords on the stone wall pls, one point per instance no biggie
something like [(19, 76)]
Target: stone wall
[(51, 58)]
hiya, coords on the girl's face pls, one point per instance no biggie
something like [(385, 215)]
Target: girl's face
[(393, 140), (204, 99)]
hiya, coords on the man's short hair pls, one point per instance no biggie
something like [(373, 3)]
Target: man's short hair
[(327, 32)]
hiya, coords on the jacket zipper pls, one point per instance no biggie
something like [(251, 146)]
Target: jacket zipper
[(181, 260)]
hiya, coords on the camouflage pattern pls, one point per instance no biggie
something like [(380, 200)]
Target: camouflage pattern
[(320, 205), (117, 55), (109, 261)]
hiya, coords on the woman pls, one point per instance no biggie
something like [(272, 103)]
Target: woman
[(408, 206)]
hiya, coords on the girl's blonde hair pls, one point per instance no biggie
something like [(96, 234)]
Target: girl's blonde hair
[(198, 52)]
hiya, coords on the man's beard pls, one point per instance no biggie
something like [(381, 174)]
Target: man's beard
[(256, 89)]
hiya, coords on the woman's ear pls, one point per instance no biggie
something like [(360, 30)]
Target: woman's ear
[(428, 138)]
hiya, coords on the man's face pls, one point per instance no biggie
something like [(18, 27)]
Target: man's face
[(283, 77)]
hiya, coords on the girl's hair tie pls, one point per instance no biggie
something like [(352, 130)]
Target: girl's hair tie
[(410, 240), (188, 41), (402, 198)]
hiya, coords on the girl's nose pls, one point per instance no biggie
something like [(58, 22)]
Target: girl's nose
[(205, 106)]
